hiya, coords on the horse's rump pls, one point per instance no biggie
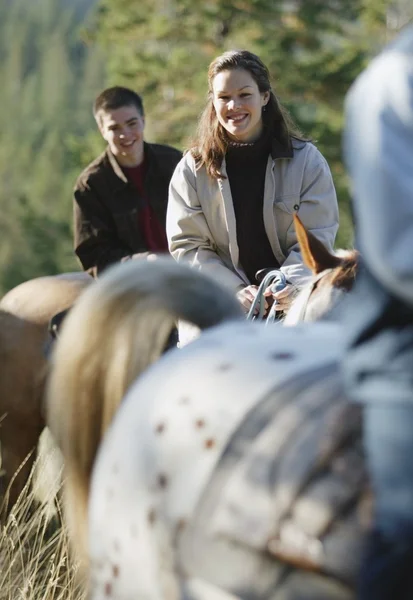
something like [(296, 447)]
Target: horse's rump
[(37, 300)]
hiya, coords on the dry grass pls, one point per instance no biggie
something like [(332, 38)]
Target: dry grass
[(34, 550)]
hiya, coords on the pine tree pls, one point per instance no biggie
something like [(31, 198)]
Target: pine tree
[(48, 90)]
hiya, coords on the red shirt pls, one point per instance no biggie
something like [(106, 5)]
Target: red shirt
[(152, 231)]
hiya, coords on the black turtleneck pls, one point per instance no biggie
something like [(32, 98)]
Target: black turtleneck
[(246, 165)]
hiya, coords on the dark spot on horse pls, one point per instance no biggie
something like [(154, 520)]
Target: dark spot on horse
[(110, 493), (282, 356), (160, 428), (108, 588), (116, 546), (151, 516), (162, 481), (224, 367), (209, 443), (184, 400), (200, 423), (115, 469), (115, 570), (180, 526)]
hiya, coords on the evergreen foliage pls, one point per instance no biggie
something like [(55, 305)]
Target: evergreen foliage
[(49, 79)]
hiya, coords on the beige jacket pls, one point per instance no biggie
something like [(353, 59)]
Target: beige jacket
[(201, 225)]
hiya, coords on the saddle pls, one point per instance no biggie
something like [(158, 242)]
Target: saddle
[(288, 496)]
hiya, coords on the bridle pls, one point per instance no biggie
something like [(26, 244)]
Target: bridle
[(277, 281)]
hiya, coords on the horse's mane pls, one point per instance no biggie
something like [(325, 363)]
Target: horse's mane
[(341, 279), (117, 328), (345, 274)]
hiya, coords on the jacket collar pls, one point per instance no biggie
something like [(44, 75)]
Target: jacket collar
[(281, 150), (115, 166), (117, 169)]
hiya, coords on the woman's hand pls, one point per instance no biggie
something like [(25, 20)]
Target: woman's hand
[(283, 298), (246, 297)]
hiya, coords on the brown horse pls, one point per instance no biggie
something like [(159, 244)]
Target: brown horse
[(25, 312), (115, 331)]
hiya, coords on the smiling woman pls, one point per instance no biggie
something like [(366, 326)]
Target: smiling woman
[(233, 196)]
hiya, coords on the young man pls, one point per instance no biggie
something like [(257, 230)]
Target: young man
[(120, 199)]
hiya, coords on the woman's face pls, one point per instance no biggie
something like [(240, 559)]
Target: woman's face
[(238, 104)]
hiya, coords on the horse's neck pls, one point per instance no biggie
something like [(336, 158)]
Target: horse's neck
[(296, 312), (309, 306)]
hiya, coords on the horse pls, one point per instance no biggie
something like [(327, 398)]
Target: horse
[(333, 275), (25, 312), (233, 469), (116, 330)]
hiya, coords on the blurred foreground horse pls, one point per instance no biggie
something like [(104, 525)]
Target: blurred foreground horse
[(115, 331), (25, 312)]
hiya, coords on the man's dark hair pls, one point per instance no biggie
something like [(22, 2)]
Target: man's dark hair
[(117, 97)]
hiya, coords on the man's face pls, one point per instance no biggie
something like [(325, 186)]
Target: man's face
[(123, 128)]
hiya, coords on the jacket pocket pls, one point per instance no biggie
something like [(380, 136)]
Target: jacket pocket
[(288, 204), (284, 209)]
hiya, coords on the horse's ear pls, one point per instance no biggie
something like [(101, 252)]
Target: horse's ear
[(315, 255)]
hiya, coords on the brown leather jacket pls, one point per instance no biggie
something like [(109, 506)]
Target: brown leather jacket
[(106, 206)]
